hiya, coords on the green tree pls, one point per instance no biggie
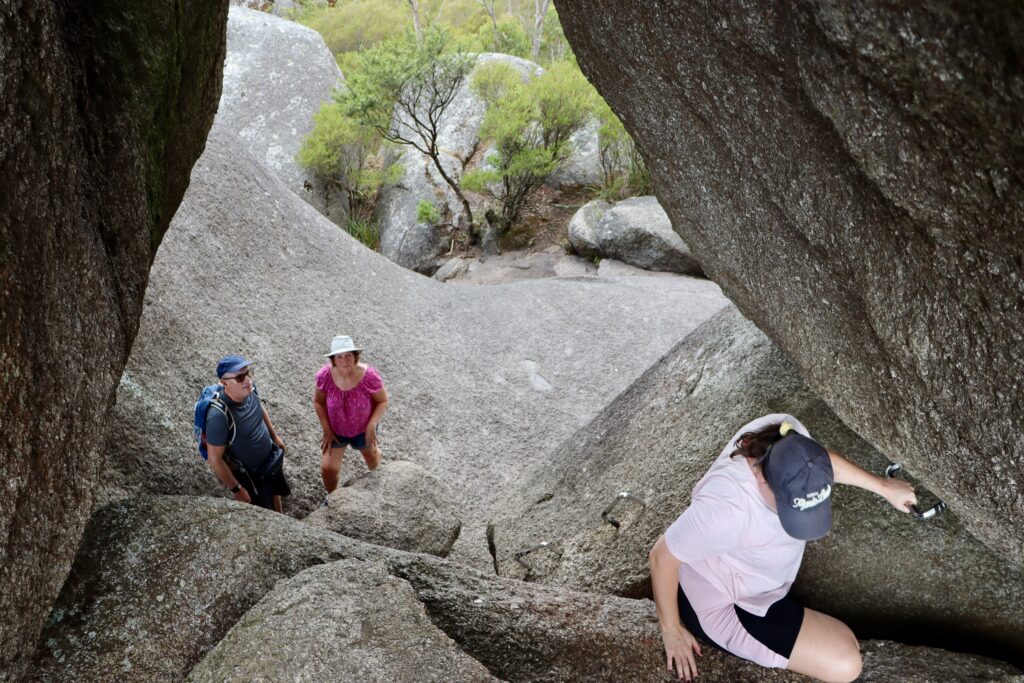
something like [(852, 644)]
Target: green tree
[(343, 155), (529, 125), (624, 171), (402, 90)]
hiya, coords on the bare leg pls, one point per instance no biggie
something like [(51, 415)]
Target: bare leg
[(330, 467), (826, 649), (371, 456), (278, 507)]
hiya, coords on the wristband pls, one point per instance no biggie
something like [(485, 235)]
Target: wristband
[(237, 488)]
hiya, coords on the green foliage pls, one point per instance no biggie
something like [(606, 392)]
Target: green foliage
[(529, 125), (507, 37), (347, 156), (426, 212), (364, 230), (359, 24), (625, 174), (402, 89)]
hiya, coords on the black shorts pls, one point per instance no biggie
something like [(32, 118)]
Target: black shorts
[(777, 629), (262, 489), (358, 441)]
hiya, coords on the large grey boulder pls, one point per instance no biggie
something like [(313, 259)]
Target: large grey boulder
[(103, 110), (248, 267), (159, 580), (403, 239), (636, 231), (399, 505), (853, 177), (170, 586), (342, 621), (886, 573), (276, 76)]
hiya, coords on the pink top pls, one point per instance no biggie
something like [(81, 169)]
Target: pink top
[(734, 550), (348, 411)]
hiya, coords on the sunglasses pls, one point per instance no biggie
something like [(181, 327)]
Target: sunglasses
[(242, 377)]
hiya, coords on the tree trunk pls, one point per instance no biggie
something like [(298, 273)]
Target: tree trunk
[(415, 5), (540, 10)]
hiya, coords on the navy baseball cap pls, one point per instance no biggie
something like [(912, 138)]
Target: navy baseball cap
[(231, 364), (799, 471)]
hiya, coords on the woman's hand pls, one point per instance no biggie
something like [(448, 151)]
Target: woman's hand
[(899, 493), (680, 646), (371, 436), (326, 440)]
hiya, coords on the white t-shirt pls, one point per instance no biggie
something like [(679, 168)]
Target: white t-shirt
[(731, 544)]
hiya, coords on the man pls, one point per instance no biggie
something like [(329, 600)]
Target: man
[(252, 466)]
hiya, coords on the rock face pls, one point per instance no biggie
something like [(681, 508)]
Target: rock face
[(583, 167), (870, 161), (417, 245), (636, 231), (886, 573), (398, 505), (276, 76), (103, 110), (343, 621), (159, 580), (293, 280), (168, 585)]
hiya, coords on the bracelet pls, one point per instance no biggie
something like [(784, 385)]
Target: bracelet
[(237, 488)]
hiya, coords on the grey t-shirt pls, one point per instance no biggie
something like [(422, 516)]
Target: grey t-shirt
[(252, 445)]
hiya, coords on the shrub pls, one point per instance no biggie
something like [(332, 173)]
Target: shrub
[(402, 89), (529, 125), (364, 230), (624, 171), (345, 155), (426, 212)]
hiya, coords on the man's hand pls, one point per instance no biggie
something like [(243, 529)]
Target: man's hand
[(280, 444), (899, 493), (243, 496), (680, 646)]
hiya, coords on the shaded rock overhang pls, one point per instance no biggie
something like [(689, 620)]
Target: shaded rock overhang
[(104, 107), (852, 176)]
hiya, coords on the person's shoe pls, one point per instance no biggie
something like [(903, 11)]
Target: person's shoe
[(325, 502)]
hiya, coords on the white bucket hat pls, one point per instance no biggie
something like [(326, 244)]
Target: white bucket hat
[(342, 344)]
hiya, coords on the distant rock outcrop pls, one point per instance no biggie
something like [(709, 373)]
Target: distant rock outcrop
[(398, 505), (104, 107), (248, 267), (853, 177), (276, 76), (636, 231), (888, 574)]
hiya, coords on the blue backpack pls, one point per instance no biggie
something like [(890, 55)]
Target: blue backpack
[(210, 396)]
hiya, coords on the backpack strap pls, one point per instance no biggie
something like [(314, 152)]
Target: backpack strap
[(222, 408)]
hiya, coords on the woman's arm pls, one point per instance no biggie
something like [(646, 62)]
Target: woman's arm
[(899, 493), (679, 643), (320, 405), (380, 404)]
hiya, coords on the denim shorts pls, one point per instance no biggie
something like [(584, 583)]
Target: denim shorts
[(357, 442)]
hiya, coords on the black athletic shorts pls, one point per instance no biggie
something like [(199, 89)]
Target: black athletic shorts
[(777, 629), (262, 489)]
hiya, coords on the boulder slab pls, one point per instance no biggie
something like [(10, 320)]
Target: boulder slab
[(398, 505), (276, 76), (884, 572), (103, 110), (869, 161), (342, 621), (159, 580)]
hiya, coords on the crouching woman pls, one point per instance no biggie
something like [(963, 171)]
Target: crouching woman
[(722, 571)]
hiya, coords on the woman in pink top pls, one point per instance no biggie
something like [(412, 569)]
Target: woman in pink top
[(723, 570), (349, 400)]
